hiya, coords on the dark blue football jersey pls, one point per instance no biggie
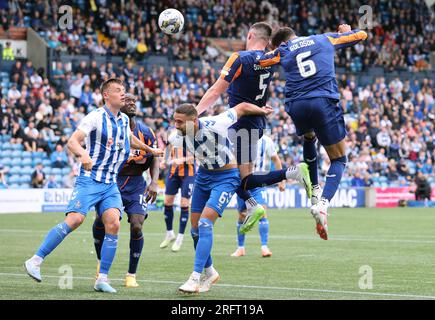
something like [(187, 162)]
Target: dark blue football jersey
[(308, 63), (249, 82)]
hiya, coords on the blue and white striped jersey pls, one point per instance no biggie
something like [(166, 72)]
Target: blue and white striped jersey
[(210, 145), (107, 143), (265, 151)]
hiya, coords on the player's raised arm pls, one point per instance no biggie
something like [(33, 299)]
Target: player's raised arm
[(229, 73), (346, 37)]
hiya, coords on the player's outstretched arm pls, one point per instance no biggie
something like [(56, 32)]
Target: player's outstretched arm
[(75, 146), (345, 37), (137, 144), (249, 109), (212, 94)]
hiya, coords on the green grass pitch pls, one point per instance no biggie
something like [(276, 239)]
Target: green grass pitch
[(397, 244)]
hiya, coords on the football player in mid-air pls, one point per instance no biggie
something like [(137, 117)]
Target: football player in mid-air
[(312, 102), (247, 81), (266, 155), (135, 193), (216, 181)]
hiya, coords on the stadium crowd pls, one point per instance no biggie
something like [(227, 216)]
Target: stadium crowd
[(391, 125), (401, 33)]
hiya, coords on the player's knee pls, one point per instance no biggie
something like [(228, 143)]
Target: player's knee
[(194, 232), (184, 203), (309, 137), (136, 228), (74, 220), (112, 226)]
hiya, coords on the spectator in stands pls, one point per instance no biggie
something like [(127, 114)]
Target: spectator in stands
[(8, 52), (357, 181), (69, 180), (59, 158), (38, 177), (51, 183)]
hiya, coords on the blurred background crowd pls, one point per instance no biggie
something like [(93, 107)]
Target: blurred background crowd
[(390, 121)]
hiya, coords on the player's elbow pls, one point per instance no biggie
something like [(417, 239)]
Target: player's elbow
[(363, 35)]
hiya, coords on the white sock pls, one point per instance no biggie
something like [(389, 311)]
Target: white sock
[(264, 248), (37, 260), (250, 203), (292, 173), (180, 238), (170, 234), (241, 248), (210, 270), (102, 277), (131, 274), (195, 275)]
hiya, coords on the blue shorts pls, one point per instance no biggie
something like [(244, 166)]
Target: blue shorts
[(321, 115), (88, 193), (259, 194), (214, 189), (175, 182), (245, 142), (132, 193)]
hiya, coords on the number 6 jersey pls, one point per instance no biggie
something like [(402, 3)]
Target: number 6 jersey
[(308, 63)]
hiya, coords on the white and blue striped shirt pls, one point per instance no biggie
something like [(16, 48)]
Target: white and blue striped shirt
[(265, 151), (210, 145), (107, 143)]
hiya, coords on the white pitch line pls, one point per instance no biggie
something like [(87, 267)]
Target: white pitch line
[(379, 294), (273, 236)]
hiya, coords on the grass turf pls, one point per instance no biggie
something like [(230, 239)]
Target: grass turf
[(397, 244)]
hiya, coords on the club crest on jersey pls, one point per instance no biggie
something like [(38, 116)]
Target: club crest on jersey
[(78, 205), (109, 142)]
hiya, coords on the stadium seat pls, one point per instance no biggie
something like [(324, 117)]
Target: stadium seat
[(26, 154), (14, 186), (6, 146), (59, 178), (7, 162), (25, 178), (26, 162), (66, 171), (24, 186), (13, 178), (27, 170), (16, 146), (16, 154), (46, 163), (15, 170), (56, 171), (47, 170)]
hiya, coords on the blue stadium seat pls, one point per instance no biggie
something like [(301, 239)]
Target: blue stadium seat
[(38, 155), (59, 178), (25, 179), (7, 162), (15, 170), (16, 154), (27, 170), (24, 186), (46, 163), (26, 162), (13, 178), (6, 147), (26, 154), (14, 186), (47, 170), (56, 171), (16, 146), (66, 171)]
